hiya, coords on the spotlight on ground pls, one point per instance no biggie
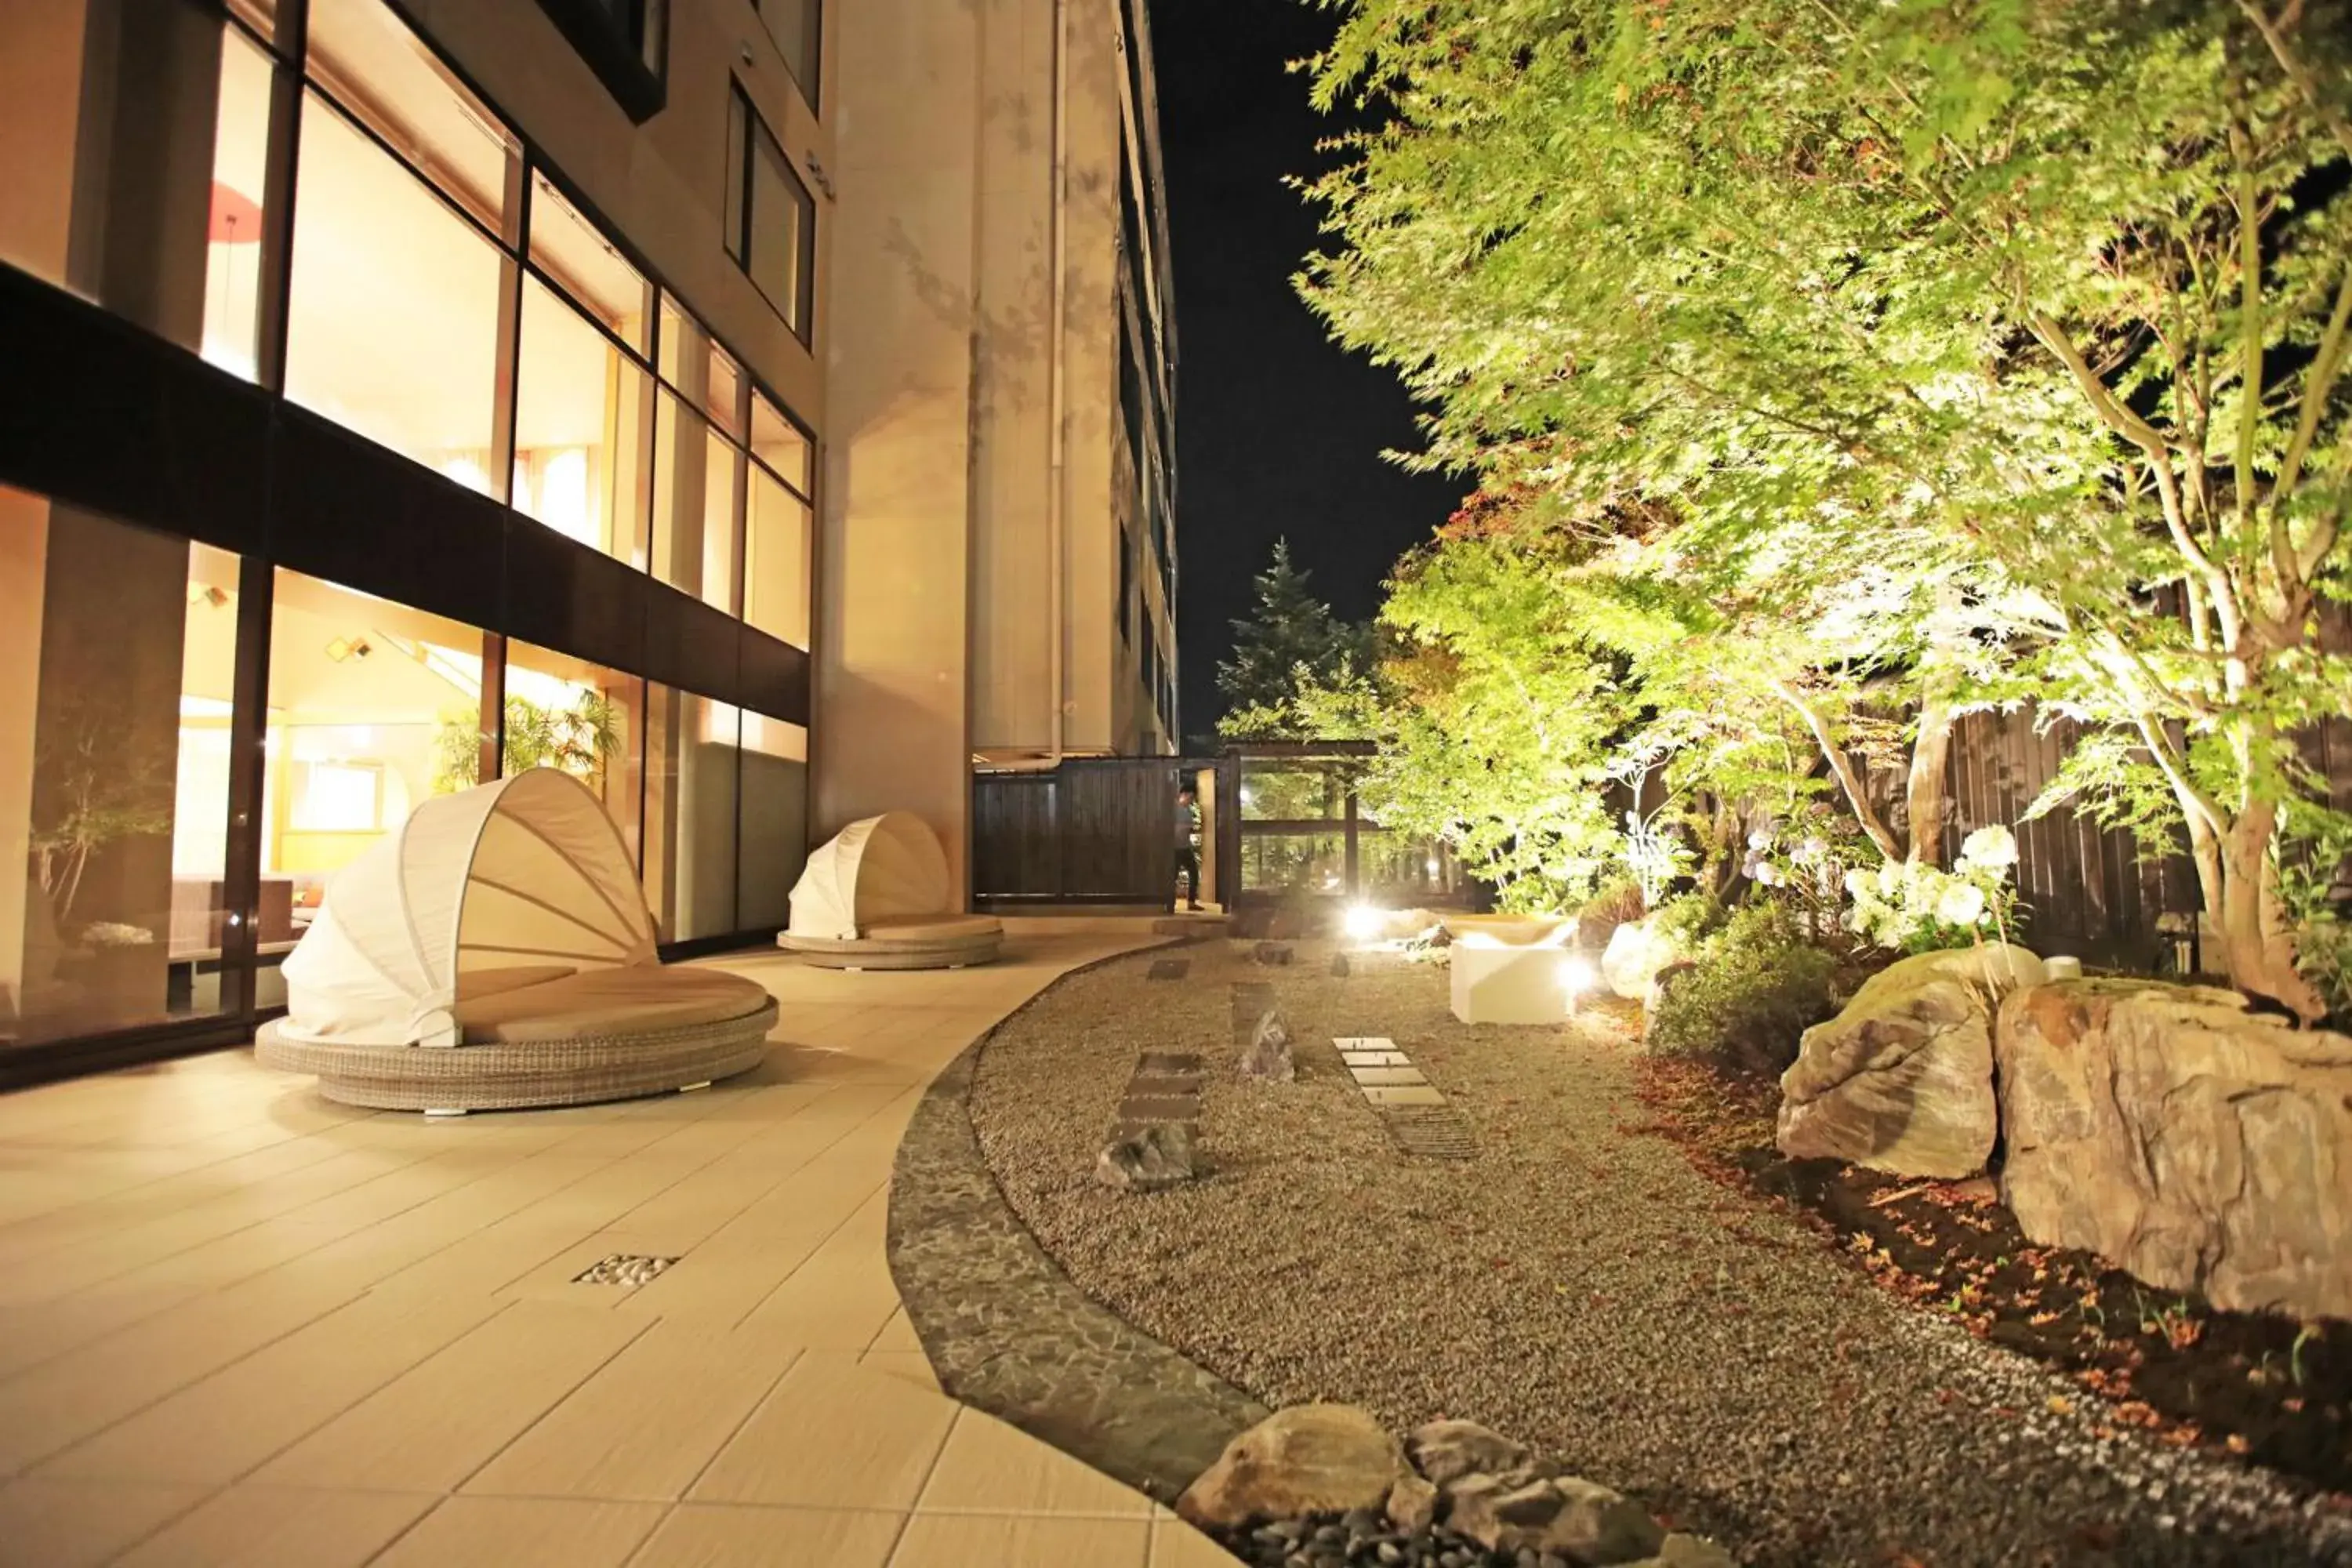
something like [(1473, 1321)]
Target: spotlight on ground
[(1576, 978)]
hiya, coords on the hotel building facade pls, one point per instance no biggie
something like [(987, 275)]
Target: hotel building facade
[(762, 409)]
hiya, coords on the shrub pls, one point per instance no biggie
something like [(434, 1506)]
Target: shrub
[(1752, 988), (1614, 904)]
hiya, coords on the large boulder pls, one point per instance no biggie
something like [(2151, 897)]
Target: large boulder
[(2199, 1145), (1902, 1080), (1309, 1458), (1637, 952)]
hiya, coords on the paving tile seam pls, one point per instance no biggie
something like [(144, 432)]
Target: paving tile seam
[(29, 1466), (165, 1221), (577, 1384), (243, 1477)]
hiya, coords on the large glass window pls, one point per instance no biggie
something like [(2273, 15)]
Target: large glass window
[(590, 268), (118, 649), (585, 718), (233, 236), (691, 752), (373, 707), (774, 843), (776, 561), (582, 413), (771, 219), (780, 444), (793, 23), (695, 479), (386, 76), (393, 310)]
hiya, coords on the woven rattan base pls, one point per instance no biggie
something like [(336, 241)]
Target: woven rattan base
[(525, 1076)]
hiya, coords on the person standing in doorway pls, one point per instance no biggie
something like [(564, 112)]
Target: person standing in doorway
[(1188, 845)]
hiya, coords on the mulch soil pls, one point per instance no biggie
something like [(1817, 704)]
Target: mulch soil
[(2258, 1385)]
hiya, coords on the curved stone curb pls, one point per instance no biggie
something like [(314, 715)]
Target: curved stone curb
[(1008, 1333)]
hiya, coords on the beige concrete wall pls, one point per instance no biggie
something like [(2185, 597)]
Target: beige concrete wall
[(1013, 615), (891, 725), (1012, 387), (662, 185), (1091, 296)]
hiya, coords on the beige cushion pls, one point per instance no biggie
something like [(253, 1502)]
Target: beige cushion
[(637, 999), (476, 984)]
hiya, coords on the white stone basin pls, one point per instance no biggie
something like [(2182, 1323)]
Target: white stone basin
[(1503, 982)]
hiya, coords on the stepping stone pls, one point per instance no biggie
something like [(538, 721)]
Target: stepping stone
[(1153, 1086), (1160, 1108), (1405, 1094), (1437, 1132), (1364, 1042), (1165, 1062), (1376, 1058), (1386, 1077), (1170, 969)]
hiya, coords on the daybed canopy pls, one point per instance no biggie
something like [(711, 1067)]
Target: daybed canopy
[(886, 868), (511, 883)]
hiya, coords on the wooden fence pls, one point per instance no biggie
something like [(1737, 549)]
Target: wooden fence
[(1091, 831), (1097, 831)]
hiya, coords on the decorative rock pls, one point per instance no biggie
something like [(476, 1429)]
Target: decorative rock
[(1278, 953), (1446, 1451), (1573, 1518), (1339, 966), (1902, 1080), (1635, 953), (1600, 1526), (2199, 1145), (1309, 1458), (1158, 1157), (1500, 1518), (1268, 1056), (1687, 1552), (1413, 1503)]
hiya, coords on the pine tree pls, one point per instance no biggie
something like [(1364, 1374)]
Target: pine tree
[(1292, 641)]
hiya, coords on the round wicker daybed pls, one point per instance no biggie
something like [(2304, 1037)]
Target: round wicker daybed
[(496, 955), (876, 897)]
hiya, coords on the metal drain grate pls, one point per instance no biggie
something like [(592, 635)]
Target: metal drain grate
[(1170, 969), (623, 1269), (1432, 1131)]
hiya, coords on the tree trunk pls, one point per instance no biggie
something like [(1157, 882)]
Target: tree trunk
[(1857, 796), (2257, 948), (1925, 794)]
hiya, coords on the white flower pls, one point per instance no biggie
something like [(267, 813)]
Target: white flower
[(1993, 847), (1768, 874), (1859, 883), (1760, 839), (1962, 904)]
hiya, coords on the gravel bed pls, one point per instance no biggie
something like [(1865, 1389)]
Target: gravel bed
[(1575, 1285)]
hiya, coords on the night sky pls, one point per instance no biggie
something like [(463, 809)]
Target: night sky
[(1278, 431)]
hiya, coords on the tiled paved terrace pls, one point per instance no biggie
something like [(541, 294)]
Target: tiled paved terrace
[(239, 1325)]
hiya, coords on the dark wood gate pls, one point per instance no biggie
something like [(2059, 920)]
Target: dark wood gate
[(1090, 831)]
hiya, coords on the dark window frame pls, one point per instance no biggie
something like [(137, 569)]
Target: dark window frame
[(745, 129), (625, 43), (816, 43)]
